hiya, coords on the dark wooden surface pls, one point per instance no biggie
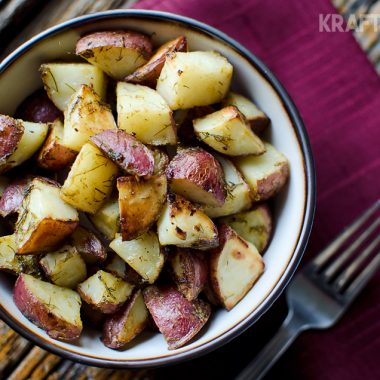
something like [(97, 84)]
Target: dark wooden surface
[(20, 359)]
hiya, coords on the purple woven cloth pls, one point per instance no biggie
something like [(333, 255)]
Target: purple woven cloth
[(338, 94)]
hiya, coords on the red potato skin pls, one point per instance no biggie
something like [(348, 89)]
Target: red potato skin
[(114, 324), (11, 132), (178, 319), (200, 168), (38, 108), (126, 151), (120, 38), (194, 274), (148, 74), (271, 185), (40, 315), (12, 197), (88, 246)]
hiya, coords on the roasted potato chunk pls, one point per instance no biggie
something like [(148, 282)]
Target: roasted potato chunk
[(238, 192), (148, 74), (62, 80), (266, 174), (123, 326), (38, 108), (143, 113), (183, 225), (107, 218), (52, 308), (140, 201), (45, 220), (143, 254), (12, 197), (90, 180), (16, 264), (255, 117), (197, 175), (105, 292), (189, 271), (193, 79), (19, 140), (54, 155), (178, 324), (254, 226), (234, 267), (85, 116), (88, 246), (228, 132), (125, 151), (64, 267), (117, 53)]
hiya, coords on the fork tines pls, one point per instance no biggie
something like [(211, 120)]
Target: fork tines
[(350, 260)]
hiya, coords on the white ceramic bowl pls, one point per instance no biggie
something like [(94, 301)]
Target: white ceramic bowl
[(294, 207)]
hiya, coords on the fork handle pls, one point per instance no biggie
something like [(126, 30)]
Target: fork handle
[(268, 356)]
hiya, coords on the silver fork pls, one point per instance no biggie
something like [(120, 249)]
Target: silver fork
[(321, 292)]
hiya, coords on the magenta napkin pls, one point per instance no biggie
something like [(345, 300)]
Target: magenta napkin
[(338, 94)]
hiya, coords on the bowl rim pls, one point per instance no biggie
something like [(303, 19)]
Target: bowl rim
[(310, 190)]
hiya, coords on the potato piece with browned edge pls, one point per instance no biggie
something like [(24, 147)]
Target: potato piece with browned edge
[(267, 174), (255, 117), (140, 201), (45, 220), (38, 108), (120, 268), (118, 53), (125, 151), (183, 225), (197, 175), (52, 308), (88, 246), (105, 292), (148, 74), (19, 140), (90, 180), (85, 116), (228, 132), (123, 326), (234, 267), (64, 267), (12, 197), (238, 192), (16, 264), (54, 155), (197, 78), (178, 319), (254, 226), (62, 80), (143, 254), (143, 113), (189, 271), (107, 218)]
